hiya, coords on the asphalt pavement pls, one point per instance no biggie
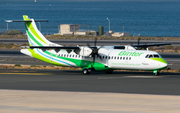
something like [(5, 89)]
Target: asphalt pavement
[(69, 80)]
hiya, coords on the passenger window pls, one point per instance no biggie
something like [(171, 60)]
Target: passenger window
[(126, 58), (103, 57), (64, 55), (114, 57), (117, 57), (106, 57), (109, 57), (129, 58), (123, 58), (61, 55)]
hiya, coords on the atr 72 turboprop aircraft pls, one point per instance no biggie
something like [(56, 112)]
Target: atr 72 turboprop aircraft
[(91, 58)]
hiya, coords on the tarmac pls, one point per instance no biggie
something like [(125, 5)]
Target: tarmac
[(22, 101), (67, 91)]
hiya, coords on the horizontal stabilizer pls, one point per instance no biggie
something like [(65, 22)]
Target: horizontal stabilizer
[(52, 47), (26, 20)]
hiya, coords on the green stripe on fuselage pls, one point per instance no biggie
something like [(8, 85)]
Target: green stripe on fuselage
[(36, 55), (159, 59), (82, 63)]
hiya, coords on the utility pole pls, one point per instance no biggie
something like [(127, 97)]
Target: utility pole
[(7, 23), (109, 23)]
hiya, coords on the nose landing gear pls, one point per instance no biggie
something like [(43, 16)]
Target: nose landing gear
[(156, 72)]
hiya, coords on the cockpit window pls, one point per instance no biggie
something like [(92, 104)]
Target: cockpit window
[(153, 56), (156, 56), (150, 56)]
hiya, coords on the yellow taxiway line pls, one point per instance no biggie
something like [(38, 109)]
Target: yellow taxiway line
[(25, 73)]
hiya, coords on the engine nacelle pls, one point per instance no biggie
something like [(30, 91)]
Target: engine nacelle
[(84, 51), (128, 47)]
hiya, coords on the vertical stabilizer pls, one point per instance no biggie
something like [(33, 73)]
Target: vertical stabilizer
[(35, 37)]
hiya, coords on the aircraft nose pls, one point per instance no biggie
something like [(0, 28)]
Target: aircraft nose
[(164, 65)]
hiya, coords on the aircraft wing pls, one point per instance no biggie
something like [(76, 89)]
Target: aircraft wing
[(153, 44)]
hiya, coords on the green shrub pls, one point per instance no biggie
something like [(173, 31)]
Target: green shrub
[(2, 44), (10, 45), (18, 65), (169, 47), (34, 66)]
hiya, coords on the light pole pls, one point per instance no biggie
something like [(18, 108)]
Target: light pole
[(109, 23), (8, 22)]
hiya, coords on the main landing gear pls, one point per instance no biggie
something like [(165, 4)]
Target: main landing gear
[(86, 71)]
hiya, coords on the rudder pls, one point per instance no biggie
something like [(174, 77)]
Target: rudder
[(35, 37)]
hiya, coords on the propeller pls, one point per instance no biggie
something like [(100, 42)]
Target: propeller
[(138, 42), (95, 51)]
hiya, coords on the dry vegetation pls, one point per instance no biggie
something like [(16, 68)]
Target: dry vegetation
[(91, 37)]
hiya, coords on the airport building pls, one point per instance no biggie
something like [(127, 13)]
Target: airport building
[(83, 29)]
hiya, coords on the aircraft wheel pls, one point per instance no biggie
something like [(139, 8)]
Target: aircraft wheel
[(158, 73), (86, 72)]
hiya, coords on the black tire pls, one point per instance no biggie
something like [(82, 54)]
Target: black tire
[(158, 73), (86, 72)]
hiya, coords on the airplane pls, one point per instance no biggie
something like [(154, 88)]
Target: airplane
[(91, 58)]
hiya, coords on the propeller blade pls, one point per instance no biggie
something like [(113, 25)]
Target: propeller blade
[(99, 57), (95, 41), (77, 51), (138, 41), (88, 44), (100, 47), (94, 58)]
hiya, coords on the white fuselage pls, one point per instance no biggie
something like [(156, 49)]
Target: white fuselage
[(112, 58)]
